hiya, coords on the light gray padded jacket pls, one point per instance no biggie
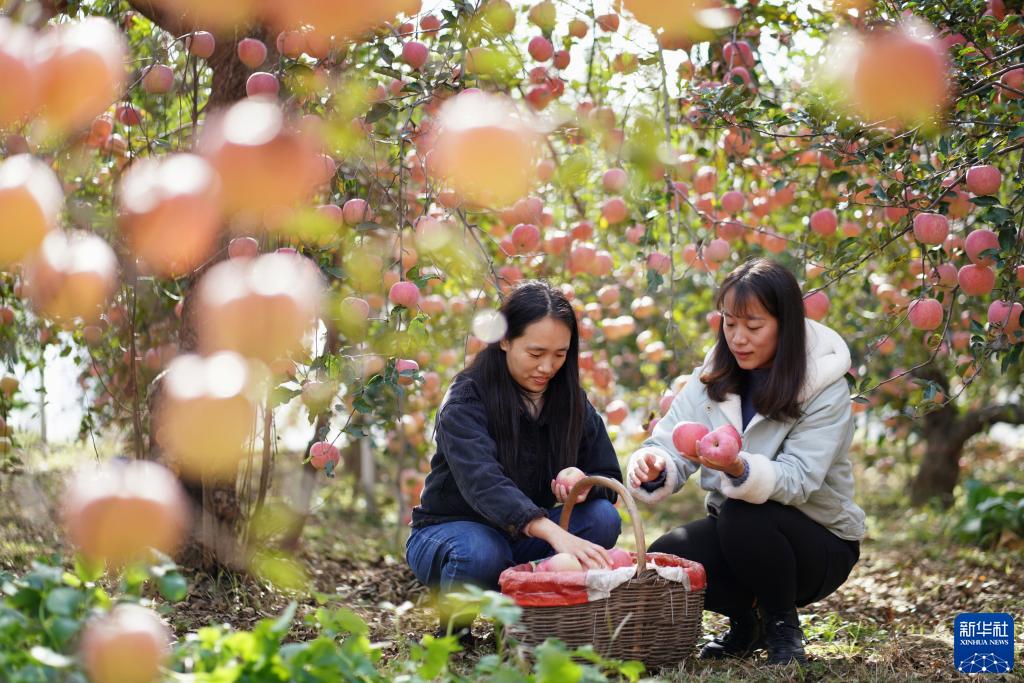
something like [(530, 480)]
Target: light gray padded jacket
[(803, 463)]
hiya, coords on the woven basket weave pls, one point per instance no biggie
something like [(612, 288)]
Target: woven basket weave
[(648, 618)]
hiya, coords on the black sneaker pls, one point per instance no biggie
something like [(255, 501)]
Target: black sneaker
[(784, 638), (745, 637)]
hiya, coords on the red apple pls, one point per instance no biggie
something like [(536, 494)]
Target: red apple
[(127, 645), (614, 210), (405, 365), (816, 305), (984, 179), (824, 222), (1005, 314), (525, 238), (976, 280), (323, 452), (252, 52), (720, 447), (925, 314), (560, 562), (621, 558), (732, 202), (355, 211), (541, 49), (686, 435), (404, 293), (262, 83), (201, 44), (158, 79), (616, 412), (614, 180), (117, 512), (931, 228), (31, 199), (608, 22), (978, 241), (415, 54)]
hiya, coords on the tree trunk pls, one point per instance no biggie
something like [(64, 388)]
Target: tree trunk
[(214, 539), (946, 432), (939, 472)]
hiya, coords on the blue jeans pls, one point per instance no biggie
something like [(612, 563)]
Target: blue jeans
[(453, 554)]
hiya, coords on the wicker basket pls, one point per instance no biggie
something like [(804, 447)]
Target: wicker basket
[(648, 618)]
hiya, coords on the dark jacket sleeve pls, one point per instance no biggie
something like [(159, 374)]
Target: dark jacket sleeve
[(472, 456), (597, 455)]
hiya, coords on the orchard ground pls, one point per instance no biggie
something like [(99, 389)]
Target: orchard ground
[(892, 620)]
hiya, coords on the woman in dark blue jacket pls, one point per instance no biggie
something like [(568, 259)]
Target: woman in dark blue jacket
[(512, 423)]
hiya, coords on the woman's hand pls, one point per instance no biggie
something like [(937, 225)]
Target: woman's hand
[(590, 555), (647, 467), (733, 469), (563, 482)]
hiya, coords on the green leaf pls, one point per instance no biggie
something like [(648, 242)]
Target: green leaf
[(88, 571), (632, 669), (838, 177), (984, 201), (433, 654), (64, 601), (554, 665), (173, 587), (284, 622), (378, 111), (63, 629), (362, 406), (281, 395), (341, 621)]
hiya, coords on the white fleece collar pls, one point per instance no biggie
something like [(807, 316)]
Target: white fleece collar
[(828, 359)]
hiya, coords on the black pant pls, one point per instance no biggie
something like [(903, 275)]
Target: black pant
[(770, 551)]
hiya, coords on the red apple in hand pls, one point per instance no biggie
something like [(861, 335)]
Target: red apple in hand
[(565, 480), (561, 562), (720, 447), (686, 435)]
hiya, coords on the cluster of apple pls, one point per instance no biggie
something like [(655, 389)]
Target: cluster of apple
[(720, 446)]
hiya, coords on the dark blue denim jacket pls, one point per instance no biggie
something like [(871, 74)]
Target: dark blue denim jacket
[(467, 482)]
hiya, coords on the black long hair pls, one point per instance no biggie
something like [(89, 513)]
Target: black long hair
[(777, 290), (564, 406)]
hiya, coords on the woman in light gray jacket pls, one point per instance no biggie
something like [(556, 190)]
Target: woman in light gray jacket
[(782, 529)]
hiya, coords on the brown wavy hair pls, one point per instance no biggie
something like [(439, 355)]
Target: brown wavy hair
[(773, 286)]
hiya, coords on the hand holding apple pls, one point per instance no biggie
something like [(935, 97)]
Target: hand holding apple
[(590, 555), (720, 449), (563, 482)]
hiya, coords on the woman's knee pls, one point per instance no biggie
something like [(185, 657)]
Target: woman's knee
[(473, 555), (741, 519), (599, 522)]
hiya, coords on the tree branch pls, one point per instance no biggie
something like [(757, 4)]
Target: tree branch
[(980, 420)]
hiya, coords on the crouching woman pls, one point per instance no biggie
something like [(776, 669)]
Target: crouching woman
[(782, 529), (511, 424)]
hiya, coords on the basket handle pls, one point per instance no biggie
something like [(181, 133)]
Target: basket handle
[(634, 515)]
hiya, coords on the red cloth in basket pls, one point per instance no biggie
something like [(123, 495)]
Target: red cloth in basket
[(530, 588)]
